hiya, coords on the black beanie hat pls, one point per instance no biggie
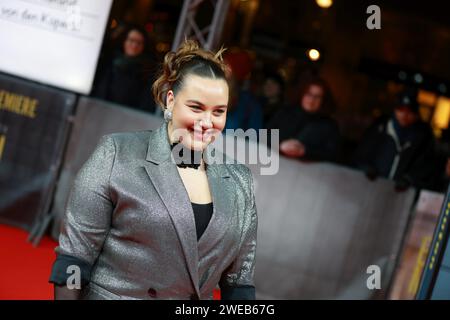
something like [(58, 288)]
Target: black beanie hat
[(408, 98)]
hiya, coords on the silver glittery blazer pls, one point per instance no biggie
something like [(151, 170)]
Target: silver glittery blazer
[(130, 217)]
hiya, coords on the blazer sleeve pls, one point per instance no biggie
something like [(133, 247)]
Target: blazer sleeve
[(237, 281), (89, 208)]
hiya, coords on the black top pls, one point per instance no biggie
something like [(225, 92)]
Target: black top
[(202, 215)]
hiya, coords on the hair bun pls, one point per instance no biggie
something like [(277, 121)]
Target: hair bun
[(175, 62)]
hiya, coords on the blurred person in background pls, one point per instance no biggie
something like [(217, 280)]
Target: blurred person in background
[(442, 180), (245, 111), (399, 147), (307, 131), (272, 94), (127, 77), (441, 177)]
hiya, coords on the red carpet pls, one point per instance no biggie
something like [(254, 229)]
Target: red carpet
[(24, 269)]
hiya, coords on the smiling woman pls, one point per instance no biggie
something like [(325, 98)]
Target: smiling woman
[(199, 112), (140, 226), (197, 79)]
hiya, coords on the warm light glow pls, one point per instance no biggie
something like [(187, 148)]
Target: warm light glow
[(427, 98), (324, 3), (162, 47), (442, 113), (313, 54), (2, 144)]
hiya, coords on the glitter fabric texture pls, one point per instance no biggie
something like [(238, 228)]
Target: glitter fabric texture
[(130, 217)]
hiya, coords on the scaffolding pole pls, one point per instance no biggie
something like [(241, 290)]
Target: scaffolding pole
[(209, 36)]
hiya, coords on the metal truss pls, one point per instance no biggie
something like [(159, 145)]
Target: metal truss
[(209, 36)]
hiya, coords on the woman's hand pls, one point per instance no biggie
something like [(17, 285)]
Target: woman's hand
[(292, 148)]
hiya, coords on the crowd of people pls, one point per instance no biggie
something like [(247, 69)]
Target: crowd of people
[(397, 146)]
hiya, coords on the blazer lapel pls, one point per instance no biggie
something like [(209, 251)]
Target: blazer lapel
[(167, 182), (223, 197), (223, 192)]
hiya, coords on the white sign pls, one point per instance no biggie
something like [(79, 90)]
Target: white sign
[(56, 42)]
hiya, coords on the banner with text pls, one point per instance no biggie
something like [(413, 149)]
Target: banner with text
[(33, 130)]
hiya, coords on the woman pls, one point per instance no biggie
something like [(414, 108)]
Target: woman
[(126, 79), (141, 226), (306, 131)]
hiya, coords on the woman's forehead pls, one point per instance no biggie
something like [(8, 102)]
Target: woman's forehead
[(205, 90), (315, 88)]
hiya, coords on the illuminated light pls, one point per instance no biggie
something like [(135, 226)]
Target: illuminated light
[(431, 266), (440, 236), (402, 75), (426, 97), (442, 113), (324, 3), (2, 144), (418, 78), (313, 54), (113, 24)]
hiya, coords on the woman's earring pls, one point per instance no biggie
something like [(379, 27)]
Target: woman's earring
[(167, 115)]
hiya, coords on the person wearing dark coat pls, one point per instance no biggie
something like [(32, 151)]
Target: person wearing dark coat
[(399, 147), (127, 78), (271, 98), (306, 131), (441, 179)]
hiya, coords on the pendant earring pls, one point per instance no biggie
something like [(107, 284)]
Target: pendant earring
[(167, 115)]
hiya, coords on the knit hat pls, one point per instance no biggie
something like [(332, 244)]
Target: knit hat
[(408, 99)]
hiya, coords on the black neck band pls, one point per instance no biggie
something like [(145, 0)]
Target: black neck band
[(193, 160)]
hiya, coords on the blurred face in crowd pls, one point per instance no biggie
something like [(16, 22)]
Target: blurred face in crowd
[(199, 111), (271, 89), (312, 99), (134, 44), (405, 116)]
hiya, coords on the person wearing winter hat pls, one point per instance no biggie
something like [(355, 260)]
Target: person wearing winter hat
[(398, 147)]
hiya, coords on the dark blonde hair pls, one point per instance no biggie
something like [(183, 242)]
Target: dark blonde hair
[(189, 59)]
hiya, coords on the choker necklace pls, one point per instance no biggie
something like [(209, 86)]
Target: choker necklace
[(179, 158)]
